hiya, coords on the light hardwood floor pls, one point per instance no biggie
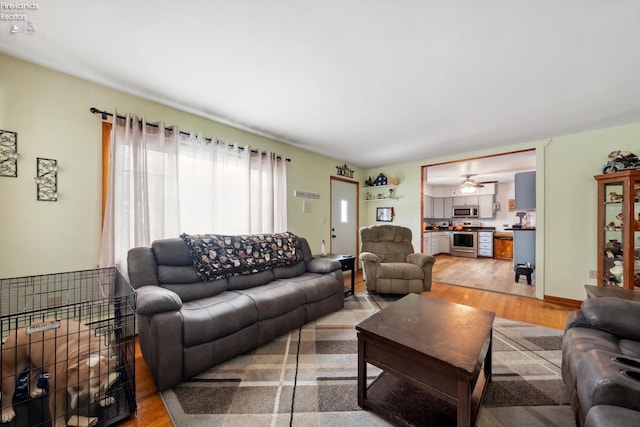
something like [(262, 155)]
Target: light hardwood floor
[(481, 273), (151, 410)]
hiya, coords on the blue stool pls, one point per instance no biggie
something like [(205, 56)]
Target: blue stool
[(522, 269)]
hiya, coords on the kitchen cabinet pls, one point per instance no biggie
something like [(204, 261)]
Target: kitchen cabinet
[(444, 242), (465, 200), (448, 207), (524, 246), (485, 206), (503, 246), (525, 191), (427, 239), (618, 251), (428, 207), (436, 242), (438, 207), (485, 243)]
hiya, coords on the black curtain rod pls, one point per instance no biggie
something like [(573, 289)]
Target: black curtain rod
[(105, 114)]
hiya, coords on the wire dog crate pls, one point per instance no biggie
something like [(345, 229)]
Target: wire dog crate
[(68, 347)]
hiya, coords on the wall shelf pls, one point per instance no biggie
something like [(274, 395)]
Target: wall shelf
[(385, 191)]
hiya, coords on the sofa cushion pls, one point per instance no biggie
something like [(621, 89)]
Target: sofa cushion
[(615, 315), (276, 298), (177, 274), (289, 271), (171, 252), (316, 287), (399, 270), (212, 318), (192, 291), (237, 283)]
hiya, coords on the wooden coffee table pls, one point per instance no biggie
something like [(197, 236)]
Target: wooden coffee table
[(428, 349)]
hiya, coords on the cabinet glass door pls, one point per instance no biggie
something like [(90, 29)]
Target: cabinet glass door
[(613, 235)]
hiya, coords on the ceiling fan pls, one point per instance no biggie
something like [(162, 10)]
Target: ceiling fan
[(469, 186)]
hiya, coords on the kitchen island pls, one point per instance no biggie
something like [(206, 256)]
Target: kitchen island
[(524, 245)]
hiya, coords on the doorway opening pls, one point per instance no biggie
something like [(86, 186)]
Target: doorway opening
[(476, 197)]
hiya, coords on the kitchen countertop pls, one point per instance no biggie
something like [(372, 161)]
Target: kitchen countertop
[(521, 229), (428, 230)]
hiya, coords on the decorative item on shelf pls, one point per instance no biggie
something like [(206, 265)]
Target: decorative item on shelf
[(620, 160), (615, 197), (380, 180), (391, 193), (8, 153), (344, 170), (47, 180)]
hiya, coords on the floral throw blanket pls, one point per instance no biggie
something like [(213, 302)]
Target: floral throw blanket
[(216, 256)]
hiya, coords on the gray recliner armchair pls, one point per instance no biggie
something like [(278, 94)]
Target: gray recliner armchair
[(389, 262)]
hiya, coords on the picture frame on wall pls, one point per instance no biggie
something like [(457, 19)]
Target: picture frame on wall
[(384, 214)]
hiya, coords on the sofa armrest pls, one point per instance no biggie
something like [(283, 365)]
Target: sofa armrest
[(614, 315), (323, 265), (154, 299), (420, 259), (425, 262), (576, 320), (369, 257)]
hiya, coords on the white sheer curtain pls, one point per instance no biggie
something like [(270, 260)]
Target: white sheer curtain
[(162, 183)]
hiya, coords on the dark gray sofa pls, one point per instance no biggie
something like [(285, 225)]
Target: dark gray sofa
[(187, 325), (601, 362)]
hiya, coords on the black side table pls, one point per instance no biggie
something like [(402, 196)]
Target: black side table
[(347, 262)]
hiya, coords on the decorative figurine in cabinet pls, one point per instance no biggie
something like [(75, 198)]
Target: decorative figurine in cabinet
[(619, 229)]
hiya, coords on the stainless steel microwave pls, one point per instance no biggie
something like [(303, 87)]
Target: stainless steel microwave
[(467, 211)]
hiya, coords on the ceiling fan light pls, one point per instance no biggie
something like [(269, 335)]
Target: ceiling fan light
[(468, 189)]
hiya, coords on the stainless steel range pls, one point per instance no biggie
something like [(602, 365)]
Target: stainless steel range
[(464, 243)]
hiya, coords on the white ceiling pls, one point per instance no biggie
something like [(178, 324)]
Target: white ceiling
[(369, 82)]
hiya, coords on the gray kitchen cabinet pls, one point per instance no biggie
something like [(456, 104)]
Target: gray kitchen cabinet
[(524, 247), (465, 200), (438, 207), (525, 189), (428, 206), (427, 243), (486, 206), (444, 242), (448, 207), (485, 243)]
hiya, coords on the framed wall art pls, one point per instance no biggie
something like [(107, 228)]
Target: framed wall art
[(384, 214)]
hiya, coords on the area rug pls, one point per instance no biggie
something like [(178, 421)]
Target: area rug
[(308, 377)]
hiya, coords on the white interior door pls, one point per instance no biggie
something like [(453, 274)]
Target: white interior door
[(344, 217)]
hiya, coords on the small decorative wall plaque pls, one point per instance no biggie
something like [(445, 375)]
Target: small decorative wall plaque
[(47, 180), (345, 171), (8, 153)]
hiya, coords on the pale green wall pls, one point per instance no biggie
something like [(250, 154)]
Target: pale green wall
[(566, 202), (50, 112)]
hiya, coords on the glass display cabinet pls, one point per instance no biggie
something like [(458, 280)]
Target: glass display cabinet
[(619, 229)]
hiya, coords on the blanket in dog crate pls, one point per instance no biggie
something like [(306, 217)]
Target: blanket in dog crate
[(217, 256)]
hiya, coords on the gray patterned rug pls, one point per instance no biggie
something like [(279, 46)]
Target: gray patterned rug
[(308, 377)]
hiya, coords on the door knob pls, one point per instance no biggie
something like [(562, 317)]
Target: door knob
[(334, 236)]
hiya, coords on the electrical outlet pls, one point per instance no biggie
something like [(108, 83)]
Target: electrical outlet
[(593, 274)]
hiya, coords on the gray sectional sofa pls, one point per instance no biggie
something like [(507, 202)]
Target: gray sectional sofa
[(204, 299), (601, 362)]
